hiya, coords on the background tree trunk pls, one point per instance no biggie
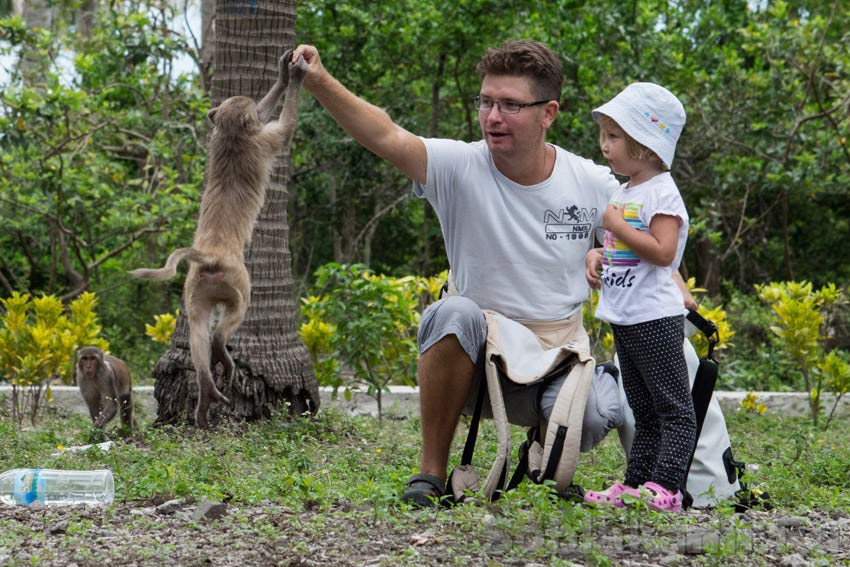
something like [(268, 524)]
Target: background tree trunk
[(85, 18), (207, 42), (272, 364), (32, 65)]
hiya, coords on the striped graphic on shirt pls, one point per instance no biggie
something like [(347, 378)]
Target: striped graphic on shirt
[(616, 254)]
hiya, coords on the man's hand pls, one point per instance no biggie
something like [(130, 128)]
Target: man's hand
[(613, 219), (315, 70), (593, 267)]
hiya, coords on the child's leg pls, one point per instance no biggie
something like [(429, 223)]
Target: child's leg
[(660, 360), (644, 451)]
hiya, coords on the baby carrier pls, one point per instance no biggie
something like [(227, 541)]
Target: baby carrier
[(513, 352)]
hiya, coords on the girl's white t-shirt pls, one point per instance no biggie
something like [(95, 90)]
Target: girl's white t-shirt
[(634, 290)]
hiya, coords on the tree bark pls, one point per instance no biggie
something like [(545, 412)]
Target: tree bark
[(272, 365), (85, 18), (207, 42), (32, 65)]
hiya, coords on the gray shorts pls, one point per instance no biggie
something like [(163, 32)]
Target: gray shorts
[(525, 405), (460, 316)]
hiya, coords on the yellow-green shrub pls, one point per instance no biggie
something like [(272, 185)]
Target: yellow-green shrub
[(802, 319), (163, 327), (38, 339)]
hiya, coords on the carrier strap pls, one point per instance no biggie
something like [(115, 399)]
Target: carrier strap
[(704, 383), (479, 382), (522, 456), (555, 453), (707, 328)]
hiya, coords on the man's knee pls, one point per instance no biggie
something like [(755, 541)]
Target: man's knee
[(457, 316)]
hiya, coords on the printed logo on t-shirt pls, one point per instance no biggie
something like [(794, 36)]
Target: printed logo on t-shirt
[(571, 222), (617, 258)]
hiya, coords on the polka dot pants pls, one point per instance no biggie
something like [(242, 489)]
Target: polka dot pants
[(655, 377)]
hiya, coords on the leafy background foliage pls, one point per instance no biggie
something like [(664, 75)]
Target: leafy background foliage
[(101, 146)]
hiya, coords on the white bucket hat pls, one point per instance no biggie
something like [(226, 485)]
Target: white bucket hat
[(650, 114)]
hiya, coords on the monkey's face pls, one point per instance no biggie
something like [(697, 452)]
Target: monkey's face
[(89, 363)]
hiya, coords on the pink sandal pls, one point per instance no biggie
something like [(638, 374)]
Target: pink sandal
[(611, 496), (662, 499)]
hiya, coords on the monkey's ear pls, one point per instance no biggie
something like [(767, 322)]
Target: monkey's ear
[(211, 114)]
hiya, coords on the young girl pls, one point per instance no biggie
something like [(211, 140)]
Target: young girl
[(646, 228)]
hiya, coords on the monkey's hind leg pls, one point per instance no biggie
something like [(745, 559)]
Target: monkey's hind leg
[(232, 316), (199, 345)]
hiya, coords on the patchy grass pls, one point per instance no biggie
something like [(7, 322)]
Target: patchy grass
[(325, 491)]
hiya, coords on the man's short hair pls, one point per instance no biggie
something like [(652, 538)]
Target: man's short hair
[(526, 58)]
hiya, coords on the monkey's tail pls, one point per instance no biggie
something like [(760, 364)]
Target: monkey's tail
[(170, 269)]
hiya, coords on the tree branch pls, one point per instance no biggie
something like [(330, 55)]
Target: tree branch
[(377, 217)]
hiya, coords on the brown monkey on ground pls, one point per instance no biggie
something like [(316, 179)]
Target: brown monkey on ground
[(106, 387), (241, 150)]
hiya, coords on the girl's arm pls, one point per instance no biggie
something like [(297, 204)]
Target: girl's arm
[(658, 247), (690, 302)]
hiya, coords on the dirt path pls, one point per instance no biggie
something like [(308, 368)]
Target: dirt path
[(140, 533)]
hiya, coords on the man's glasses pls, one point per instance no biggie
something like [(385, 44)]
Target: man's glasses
[(485, 104)]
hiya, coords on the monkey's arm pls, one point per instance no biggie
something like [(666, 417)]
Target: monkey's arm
[(109, 400), (265, 108), (91, 395), (110, 408), (367, 124), (109, 384), (281, 130)]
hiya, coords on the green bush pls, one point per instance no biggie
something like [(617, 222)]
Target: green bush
[(360, 328)]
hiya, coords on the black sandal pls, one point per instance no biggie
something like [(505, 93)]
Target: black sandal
[(424, 491)]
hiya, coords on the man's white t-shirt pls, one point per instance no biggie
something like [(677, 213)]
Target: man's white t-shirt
[(516, 249), (634, 290)]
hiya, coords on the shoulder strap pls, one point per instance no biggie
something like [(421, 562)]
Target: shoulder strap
[(703, 388), (557, 459), (707, 328), (477, 382)]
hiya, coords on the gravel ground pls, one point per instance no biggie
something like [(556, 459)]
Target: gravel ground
[(177, 533)]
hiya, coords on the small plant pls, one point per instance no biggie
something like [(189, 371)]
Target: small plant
[(38, 339), (430, 288), (599, 331), (752, 405), (316, 335), (370, 324), (833, 371), (163, 327), (802, 323)]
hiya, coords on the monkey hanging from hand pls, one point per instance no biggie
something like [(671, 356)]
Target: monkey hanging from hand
[(106, 387), (240, 154)]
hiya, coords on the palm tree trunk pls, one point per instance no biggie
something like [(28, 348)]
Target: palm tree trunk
[(273, 366)]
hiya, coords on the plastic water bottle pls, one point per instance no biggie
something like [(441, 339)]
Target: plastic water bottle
[(51, 487)]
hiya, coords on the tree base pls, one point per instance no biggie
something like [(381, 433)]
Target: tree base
[(252, 394)]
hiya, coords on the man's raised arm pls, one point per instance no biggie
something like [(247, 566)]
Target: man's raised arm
[(369, 125)]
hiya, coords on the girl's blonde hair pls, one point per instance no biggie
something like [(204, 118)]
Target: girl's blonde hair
[(634, 149)]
